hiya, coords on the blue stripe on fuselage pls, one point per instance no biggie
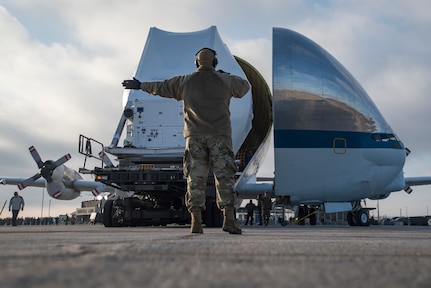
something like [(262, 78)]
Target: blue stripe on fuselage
[(330, 139)]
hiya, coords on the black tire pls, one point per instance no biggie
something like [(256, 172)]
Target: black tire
[(207, 215), (362, 218), (302, 212), (212, 215), (217, 216), (107, 213), (351, 219), (313, 216)]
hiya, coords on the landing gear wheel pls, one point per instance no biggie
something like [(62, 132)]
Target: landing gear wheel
[(282, 221), (313, 216), (362, 218), (351, 219), (302, 213)]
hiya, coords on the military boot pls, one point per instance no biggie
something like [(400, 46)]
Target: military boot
[(196, 220), (229, 224)]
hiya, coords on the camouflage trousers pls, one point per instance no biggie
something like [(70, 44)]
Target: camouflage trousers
[(201, 154)]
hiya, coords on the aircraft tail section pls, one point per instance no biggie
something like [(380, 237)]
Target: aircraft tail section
[(154, 125)]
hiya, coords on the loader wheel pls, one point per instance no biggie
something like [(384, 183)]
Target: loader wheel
[(107, 213), (212, 215)]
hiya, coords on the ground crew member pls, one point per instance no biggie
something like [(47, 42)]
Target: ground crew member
[(250, 212), (266, 207), (16, 203), (259, 209), (206, 94)]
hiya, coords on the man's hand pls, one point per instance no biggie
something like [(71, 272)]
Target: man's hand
[(132, 84)]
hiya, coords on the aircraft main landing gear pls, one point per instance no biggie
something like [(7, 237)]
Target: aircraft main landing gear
[(309, 212), (359, 217)]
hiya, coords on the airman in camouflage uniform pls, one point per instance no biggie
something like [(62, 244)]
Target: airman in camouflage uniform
[(206, 95), (196, 165)]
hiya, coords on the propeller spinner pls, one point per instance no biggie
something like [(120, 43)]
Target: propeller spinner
[(46, 168)]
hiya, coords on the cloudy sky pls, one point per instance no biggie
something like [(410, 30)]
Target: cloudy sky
[(62, 64)]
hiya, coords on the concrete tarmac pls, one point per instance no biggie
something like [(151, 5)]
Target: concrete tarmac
[(273, 256)]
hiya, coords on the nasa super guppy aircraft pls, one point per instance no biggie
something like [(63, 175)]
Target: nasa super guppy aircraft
[(332, 146)]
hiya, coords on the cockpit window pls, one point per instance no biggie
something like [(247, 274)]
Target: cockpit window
[(384, 137), (376, 137)]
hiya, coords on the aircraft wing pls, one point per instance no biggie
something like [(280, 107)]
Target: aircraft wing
[(416, 181), (78, 185), (15, 181), (87, 185)]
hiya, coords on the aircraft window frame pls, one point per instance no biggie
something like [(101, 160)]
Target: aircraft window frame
[(384, 137), (339, 149)]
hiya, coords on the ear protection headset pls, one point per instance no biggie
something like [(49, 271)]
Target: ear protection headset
[(215, 61)]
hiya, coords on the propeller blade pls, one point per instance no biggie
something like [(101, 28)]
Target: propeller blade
[(95, 192), (36, 156), (46, 169), (28, 181), (62, 160), (105, 159)]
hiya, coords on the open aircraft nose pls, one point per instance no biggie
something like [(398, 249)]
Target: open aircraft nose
[(336, 142)]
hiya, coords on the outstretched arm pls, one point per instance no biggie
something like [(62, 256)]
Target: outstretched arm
[(168, 88)]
